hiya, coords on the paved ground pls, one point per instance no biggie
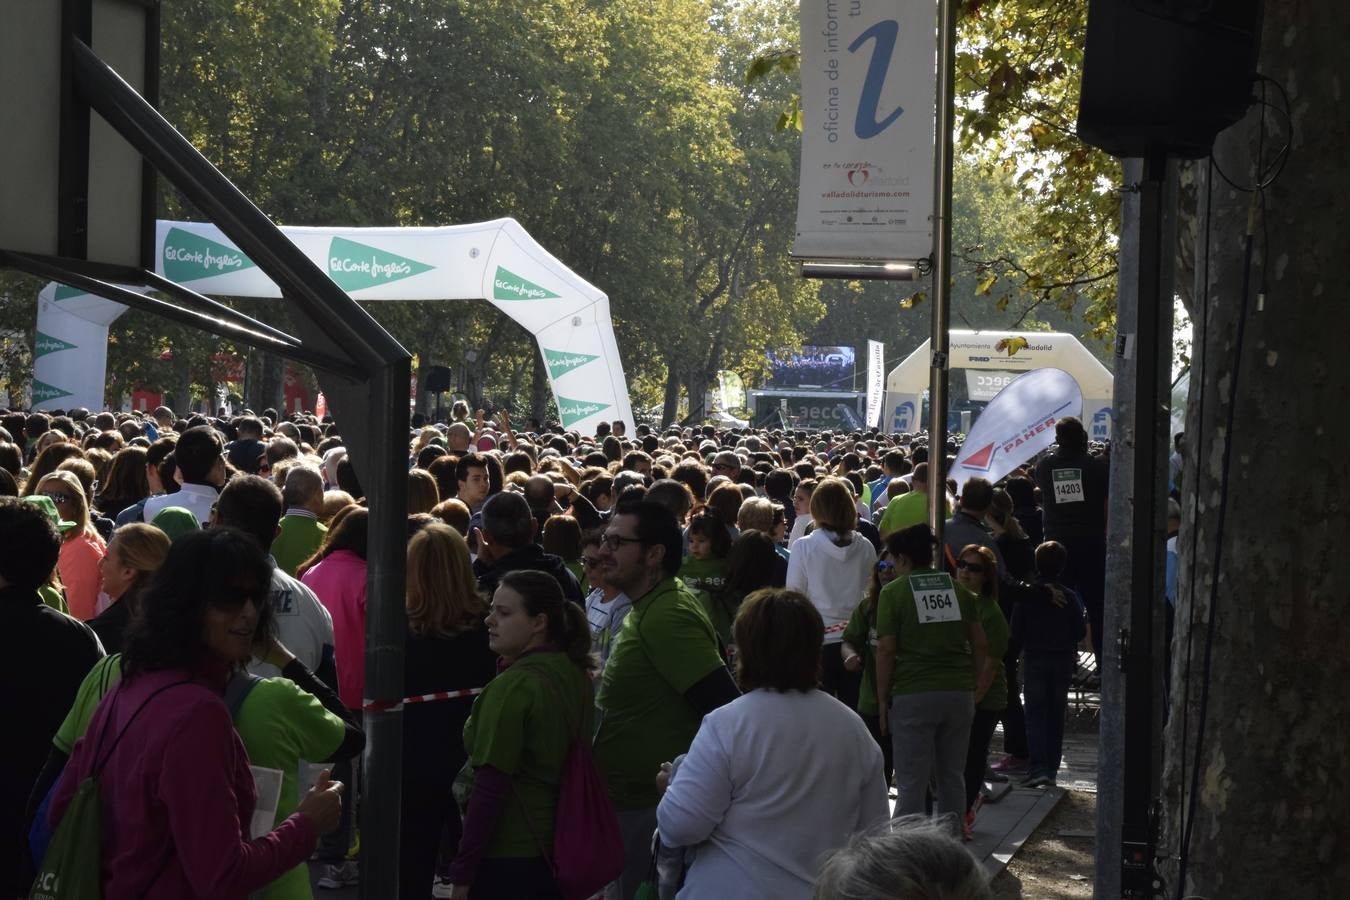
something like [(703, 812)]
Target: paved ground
[(1004, 824)]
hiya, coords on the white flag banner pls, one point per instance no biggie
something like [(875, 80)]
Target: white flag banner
[(1017, 424), (869, 95), (876, 380)]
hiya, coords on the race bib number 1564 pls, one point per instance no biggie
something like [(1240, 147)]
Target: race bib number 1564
[(934, 598)]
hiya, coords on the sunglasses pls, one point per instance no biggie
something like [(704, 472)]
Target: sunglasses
[(57, 498), (884, 566), (977, 568)]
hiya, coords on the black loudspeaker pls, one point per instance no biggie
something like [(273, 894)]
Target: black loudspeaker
[(1166, 76), (438, 379)]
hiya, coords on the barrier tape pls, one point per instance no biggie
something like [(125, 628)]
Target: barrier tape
[(836, 627), (386, 705)]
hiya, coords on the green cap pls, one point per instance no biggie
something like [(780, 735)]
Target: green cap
[(47, 505), (175, 521)]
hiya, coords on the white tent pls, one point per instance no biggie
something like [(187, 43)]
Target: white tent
[(979, 351), (495, 261)]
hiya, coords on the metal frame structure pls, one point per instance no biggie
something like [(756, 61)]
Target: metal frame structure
[(364, 372)]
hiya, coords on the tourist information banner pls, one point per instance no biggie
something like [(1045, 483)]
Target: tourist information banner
[(869, 97)]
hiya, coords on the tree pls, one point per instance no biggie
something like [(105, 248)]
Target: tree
[(1260, 619)]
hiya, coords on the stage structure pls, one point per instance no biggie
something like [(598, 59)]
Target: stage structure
[(495, 261), (990, 368)]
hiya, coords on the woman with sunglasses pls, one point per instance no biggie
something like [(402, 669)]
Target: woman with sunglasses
[(859, 651), (977, 572), (930, 645), (81, 546), (165, 724)]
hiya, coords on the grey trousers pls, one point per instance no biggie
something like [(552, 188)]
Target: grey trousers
[(931, 734), (637, 827)]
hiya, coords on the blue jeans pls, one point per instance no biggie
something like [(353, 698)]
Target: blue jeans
[(1046, 677)]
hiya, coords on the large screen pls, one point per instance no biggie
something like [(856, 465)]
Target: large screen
[(812, 367)]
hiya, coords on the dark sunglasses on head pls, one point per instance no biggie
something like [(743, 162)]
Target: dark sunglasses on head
[(977, 568), (57, 498)]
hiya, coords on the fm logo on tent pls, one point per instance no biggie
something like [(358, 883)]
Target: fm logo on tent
[(904, 416)]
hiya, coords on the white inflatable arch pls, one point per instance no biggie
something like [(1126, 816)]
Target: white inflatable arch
[(495, 261), (907, 382)]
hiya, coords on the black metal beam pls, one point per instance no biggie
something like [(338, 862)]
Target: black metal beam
[(327, 305), (44, 267)]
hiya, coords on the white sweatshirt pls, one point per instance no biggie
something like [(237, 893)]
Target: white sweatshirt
[(834, 578)]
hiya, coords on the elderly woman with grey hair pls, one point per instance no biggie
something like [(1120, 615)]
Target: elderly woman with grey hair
[(910, 858)]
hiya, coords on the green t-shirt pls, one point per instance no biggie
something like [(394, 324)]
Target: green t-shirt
[(666, 646), (904, 511), (519, 727), (861, 634), (721, 609), (704, 574), (279, 723), (996, 633), (300, 536), (928, 613), (53, 597)]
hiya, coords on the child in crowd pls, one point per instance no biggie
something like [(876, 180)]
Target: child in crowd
[(705, 568), (1049, 635)]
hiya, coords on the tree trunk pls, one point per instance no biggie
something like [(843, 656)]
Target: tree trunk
[(1272, 785), (540, 390), (670, 408)]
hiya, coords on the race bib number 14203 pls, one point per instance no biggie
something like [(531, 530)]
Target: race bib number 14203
[(1068, 485)]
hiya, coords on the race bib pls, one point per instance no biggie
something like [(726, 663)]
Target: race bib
[(1068, 485), (267, 783), (935, 598)]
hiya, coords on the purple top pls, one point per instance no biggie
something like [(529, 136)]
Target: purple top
[(176, 795)]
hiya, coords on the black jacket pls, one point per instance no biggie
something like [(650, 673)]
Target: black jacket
[(530, 557)]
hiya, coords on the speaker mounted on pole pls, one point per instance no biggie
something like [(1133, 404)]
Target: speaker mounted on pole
[(1164, 77)]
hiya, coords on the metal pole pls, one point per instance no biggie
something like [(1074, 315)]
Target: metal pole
[(386, 628), (942, 266)]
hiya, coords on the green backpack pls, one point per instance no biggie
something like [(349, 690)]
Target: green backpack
[(71, 869)]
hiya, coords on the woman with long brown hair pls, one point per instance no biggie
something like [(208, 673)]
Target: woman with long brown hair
[(446, 651), (126, 483), (977, 572)]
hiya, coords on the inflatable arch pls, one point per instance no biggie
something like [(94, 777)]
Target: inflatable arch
[(979, 350), (496, 261)]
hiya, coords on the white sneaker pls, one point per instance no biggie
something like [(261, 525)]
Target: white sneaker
[(440, 887), (340, 876)]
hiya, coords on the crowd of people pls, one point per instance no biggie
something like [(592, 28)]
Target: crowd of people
[(745, 643)]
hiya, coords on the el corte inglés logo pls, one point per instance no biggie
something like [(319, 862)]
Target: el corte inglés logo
[(354, 266), (45, 344), (507, 285), (188, 257), (560, 363), (573, 411), (43, 392)]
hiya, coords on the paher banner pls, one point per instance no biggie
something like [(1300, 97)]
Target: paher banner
[(876, 381), (869, 98), (1017, 424)]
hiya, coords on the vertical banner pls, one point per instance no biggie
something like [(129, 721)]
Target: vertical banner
[(876, 381), (869, 99)]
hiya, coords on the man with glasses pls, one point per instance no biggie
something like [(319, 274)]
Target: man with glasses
[(663, 675)]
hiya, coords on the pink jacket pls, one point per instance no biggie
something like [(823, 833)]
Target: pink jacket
[(78, 565), (176, 795), (339, 581)]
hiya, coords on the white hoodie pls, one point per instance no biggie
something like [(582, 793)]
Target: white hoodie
[(833, 577)]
